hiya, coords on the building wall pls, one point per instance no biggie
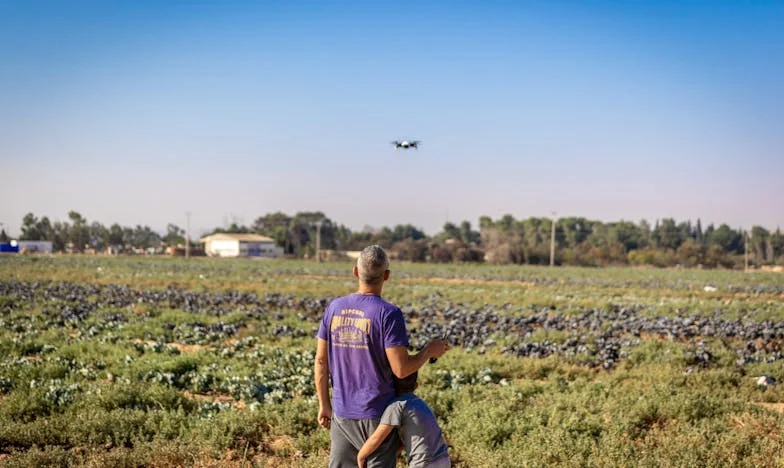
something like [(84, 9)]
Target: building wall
[(223, 248), (35, 246), (260, 249)]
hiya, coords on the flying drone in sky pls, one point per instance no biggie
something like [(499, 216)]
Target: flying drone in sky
[(405, 144)]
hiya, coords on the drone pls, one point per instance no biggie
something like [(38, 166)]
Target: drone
[(406, 144)]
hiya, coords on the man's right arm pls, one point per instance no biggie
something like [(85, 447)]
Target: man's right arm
[(404, 364)]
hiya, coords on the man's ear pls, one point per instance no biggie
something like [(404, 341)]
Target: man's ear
[(386, 274), (356, 271)]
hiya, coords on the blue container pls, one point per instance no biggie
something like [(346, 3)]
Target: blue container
[(8, 248)]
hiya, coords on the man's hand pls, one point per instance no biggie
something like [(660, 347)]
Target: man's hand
[(321, 373), (325, 417), (436, 348), (361, 462)]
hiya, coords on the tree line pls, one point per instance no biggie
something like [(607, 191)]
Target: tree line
[(507, 240)]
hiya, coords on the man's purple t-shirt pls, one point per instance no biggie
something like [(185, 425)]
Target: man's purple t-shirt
[(357, 329)]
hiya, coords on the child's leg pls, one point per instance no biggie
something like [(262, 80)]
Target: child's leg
[(443, 462)]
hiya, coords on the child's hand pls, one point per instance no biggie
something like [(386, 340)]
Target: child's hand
[(361, 462)]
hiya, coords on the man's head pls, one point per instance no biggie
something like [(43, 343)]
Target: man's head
[(372, 267), (406, 385)]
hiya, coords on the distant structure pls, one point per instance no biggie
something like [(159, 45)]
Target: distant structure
[(35, 246), (240, 245), (11, 247)]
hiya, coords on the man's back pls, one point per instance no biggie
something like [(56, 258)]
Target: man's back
[(358, 328)]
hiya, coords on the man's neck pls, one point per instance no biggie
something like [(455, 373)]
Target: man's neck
[(370, 290)]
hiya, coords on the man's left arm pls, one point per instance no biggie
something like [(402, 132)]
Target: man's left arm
[(321, 372)]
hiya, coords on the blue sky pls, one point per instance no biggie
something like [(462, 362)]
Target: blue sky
[(135, 112)]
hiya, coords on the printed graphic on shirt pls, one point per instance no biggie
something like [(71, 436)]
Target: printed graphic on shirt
[(350, 329)]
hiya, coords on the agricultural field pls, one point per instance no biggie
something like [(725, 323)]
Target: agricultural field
[(162, 362)]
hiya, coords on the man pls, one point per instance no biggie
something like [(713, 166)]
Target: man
[(363, 345)]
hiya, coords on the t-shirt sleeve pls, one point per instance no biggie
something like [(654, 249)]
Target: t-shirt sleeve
[(395, 329), (323, 331), (393, 415)]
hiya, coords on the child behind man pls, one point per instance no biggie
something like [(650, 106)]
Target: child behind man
[(417, 428)]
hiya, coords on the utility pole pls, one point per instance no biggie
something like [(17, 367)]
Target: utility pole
[(318, 240), (187, 234), (552, 241), (746, 251)]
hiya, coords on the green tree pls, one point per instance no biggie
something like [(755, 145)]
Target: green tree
[(61, 233), (726, 238), (645, 233), (79, 235), (627, 234), (99, 236), (758, 244), (576, 230), (144, 237), (115, 235), (502, 240), (44, 228), (406, 231), (302, 231), (275, 226), (777, 244), (468, 235), (412, 250), (175, 235), (668, 234), (690, 253), (449, 231), (30, 228)]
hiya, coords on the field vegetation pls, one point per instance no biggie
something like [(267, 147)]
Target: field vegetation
[(135, 361)]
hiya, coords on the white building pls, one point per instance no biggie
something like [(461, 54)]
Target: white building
[(240, 245), (35, 246)]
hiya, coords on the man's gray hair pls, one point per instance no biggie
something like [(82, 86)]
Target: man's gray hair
[(372, 263)]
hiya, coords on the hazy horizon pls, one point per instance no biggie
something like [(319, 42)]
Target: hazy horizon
[(138, 112)]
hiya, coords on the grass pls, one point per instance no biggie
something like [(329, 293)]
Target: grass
[(158, 387)]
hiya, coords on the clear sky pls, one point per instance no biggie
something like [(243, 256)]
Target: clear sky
[(135, 112)]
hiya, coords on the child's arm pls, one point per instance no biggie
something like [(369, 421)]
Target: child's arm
[(373, 442)]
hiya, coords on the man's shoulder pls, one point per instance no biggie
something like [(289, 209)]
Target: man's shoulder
[(388, 308), (335, 301), (339, 302), (372, 302)]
